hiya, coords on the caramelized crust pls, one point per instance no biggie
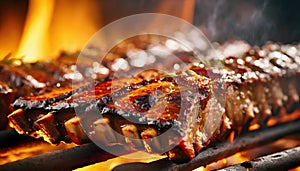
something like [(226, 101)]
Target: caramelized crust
[(178, 114)]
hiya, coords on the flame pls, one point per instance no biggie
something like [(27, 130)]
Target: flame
[(200, 169), (234, 159), (284, 117), (27, 149), (73, 24), (254, 127), (34, 41), (139, 156), (296, 169), (224, 161), (231, 136), (53, 26)]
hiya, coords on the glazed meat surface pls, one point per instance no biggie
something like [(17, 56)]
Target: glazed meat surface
[(188, 108)]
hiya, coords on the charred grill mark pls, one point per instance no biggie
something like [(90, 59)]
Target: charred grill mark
[(44, 100), (144, 103), (65, 106)]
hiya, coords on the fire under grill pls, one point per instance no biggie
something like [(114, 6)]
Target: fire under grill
[(79, 156)]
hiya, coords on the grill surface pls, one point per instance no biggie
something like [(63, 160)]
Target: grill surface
[(284, 160), (88, 154)]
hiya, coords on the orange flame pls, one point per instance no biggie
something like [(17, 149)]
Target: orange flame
[(133, 157), (25, 149), (34, 41), (52, 26)]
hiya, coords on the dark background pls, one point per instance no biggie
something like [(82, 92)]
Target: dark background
[(255, 21)]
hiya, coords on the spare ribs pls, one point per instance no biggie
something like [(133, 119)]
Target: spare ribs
[(23, 79), (189, 108)]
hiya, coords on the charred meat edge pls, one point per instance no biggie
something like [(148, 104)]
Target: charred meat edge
[(257, 86)]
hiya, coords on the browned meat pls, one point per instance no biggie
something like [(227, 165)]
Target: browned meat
[(24, 79), (33, 78), (6, 98), (187, 108)]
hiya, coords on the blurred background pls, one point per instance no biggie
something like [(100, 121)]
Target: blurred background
[(254, 21), (36, 29)]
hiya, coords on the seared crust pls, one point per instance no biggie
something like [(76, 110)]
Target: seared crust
[(188, 107)]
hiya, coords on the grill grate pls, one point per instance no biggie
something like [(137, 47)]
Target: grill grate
[(287, 159), (71, 158)]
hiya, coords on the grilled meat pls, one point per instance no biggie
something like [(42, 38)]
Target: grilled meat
[(189, 109), (24, 79), (6, 99), (34, 78)]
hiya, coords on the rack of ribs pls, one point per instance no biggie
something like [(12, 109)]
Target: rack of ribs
[(18, 78), (189, 109)]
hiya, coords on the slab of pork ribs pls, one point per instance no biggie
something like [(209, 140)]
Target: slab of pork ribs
[(189, 108), (23, 79)]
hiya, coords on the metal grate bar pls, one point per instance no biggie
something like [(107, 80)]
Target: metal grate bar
[(66, 159), (72, 158), (284, 160)]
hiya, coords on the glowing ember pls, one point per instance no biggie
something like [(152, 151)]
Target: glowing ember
[(254, 127), (284, 117), (236, 158)]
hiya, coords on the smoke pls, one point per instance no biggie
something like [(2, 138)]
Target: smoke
[(212, 21), (254, 21)]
